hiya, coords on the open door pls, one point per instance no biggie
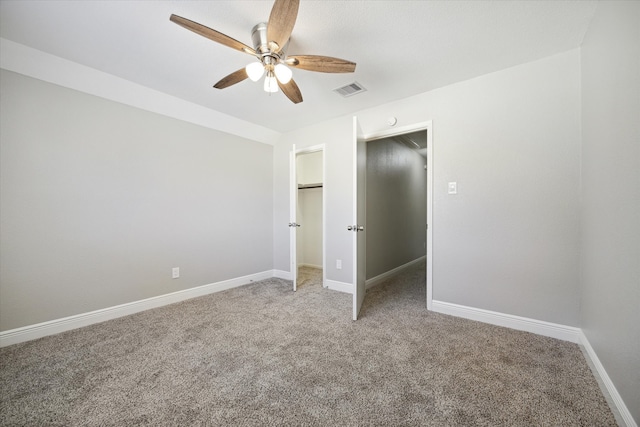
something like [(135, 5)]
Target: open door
[(293, 211), (358, 227)]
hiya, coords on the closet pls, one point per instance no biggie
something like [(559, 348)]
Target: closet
[(309, 171)]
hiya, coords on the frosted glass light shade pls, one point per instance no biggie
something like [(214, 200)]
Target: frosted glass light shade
[(270, 83), (255, 70), (283, 73)]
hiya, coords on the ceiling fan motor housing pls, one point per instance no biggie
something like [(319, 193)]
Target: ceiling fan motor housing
[(261, 45), (271, 41)]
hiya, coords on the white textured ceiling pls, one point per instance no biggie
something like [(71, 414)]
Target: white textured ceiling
[(402, 48)]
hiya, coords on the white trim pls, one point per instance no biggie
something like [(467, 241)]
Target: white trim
[(359, 256), (566, 333), (415, 127), (324, 216), (39, 330), (310, 149), (553, 330), (319, 267), (281, 274), (370, 283), (354, 211), (53, 69), (340, 286), (430, 228), (540, 327), (293, 216), (604, 378)]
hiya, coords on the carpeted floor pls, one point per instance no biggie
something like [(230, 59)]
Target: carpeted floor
[(264, 355)]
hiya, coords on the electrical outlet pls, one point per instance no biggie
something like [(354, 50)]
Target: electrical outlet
[(339, 264), (175, 272)]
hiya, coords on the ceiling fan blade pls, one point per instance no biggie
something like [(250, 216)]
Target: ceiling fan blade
[(231, 79), (292, 91), (281, 21), (323, 64), (212, 34)]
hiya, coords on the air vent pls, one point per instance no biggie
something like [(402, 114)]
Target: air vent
[(350, 89)]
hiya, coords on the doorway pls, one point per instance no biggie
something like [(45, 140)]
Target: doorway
[(420, 136), (307, 217), (396, 205)]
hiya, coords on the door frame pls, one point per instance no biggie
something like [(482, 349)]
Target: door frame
[(428, 126), (308, 150)]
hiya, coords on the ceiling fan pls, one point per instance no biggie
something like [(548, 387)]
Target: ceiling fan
[(270, 41)]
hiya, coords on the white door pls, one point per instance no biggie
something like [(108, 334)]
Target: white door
[(293, 210), (358, 227)]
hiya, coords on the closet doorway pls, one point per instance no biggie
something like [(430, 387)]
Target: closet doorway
[(399, 204), (308, 214)]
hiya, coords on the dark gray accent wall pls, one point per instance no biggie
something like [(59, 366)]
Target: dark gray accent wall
[(610, 196), (100, 200), (396, 205)]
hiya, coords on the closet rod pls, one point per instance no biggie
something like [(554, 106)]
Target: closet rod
[(305, 186)]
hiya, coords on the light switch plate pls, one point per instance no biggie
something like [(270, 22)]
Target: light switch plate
[(453, 188)]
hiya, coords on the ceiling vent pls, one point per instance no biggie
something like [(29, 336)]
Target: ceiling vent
[(350, 89)]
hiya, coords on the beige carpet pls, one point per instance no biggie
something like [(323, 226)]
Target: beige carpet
[(264, 355)]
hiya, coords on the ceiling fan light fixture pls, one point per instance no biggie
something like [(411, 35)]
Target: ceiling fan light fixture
[(283, 73), (270, 83), (255, 70), (270, 46)]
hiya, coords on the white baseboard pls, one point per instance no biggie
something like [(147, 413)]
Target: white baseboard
[(339, 286), (319, 267), (553, 330), (39, 330), (381, 277), (600, 372), (281, 274), (566, 333)]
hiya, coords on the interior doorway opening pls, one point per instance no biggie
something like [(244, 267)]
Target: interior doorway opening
[(396, 211), (420, 137), (308, 201)]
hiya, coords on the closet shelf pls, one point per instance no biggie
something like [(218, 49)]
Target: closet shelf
[(305, 186)]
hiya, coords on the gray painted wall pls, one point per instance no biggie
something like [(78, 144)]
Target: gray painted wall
[(610, 264), (337, 135), (396, 205), (101, 200), (509, 240)]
